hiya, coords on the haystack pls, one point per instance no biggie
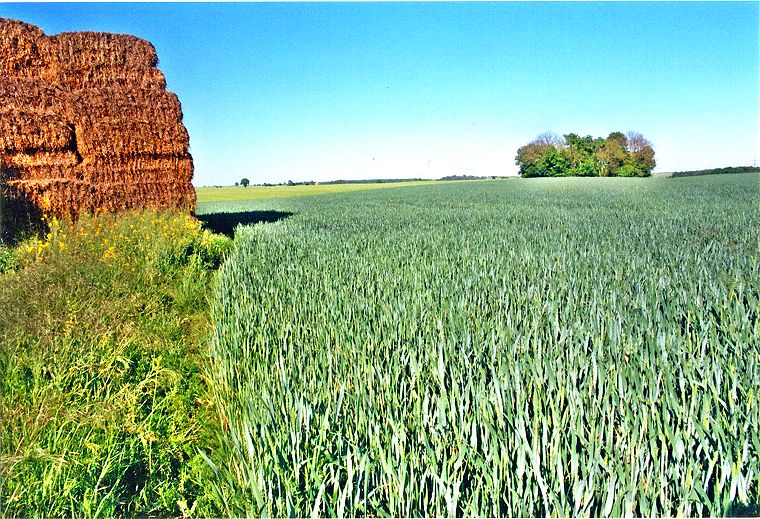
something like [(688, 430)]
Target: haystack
[(86, 124)]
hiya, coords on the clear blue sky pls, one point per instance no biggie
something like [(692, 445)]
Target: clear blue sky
[(318, 91)]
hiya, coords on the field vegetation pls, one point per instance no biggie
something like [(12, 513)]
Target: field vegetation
[(522, 347), (240, 193), (102, 345), (560, 346)]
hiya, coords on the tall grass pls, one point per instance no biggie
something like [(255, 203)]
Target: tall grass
[(102, 335), (561, 347)]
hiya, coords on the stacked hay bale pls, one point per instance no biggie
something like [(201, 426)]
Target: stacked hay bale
[(86, 124)]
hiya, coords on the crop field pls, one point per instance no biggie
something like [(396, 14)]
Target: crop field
[(521, 348), (494, 348), (239, 193)]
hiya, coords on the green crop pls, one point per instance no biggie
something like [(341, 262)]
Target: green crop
[(569, 347), (211, 195)]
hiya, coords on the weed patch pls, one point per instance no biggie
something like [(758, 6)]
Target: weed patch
[(103, 407)]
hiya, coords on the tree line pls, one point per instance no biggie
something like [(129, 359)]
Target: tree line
[(619, 155), (716, 171)]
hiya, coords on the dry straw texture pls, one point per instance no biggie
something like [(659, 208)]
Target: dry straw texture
[(86, 123)]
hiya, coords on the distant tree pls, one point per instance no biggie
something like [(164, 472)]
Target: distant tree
[(641, 154), (581, 151), (717, 171), (549, 155), (530, 156), (245, 182), (619, 138), (611, 156), (587, 166), (550, 139), (556, 162), (582, 144), (636, 142), (629, 170), (237, 184)]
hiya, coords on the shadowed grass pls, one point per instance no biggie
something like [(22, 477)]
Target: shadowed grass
[(226, 222)]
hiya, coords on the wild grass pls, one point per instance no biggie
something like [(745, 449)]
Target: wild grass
[(101, 349), (567, 347)]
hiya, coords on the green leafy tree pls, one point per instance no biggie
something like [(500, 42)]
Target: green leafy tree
[(619, 138), (549, 155), (531, 157), (582, 149), (528, 158), (629, 170), (555, 163), (585, 145), (245, 182), (611, 157), (588, 166)]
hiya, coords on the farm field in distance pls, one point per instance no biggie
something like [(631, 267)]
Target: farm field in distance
[(545, 347), (239, 193)]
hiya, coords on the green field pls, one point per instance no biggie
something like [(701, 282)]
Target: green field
[(559, 346), (239, 193), (564, 347)]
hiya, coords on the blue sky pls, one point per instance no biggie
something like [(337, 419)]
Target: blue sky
[(319, 91)]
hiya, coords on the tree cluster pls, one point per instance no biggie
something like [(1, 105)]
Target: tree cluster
[(618, 155)]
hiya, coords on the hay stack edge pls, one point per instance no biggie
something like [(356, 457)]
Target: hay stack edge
[(86, 125)]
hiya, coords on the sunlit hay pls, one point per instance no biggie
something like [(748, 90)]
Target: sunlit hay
[(87, 124)]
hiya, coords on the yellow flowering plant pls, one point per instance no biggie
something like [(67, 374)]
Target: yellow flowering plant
[(135, 241)]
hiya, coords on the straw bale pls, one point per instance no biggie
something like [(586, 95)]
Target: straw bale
[(18, 214), (7, 171), (115, 138), (68, 197), (134, 104), (137, 169), (92, 77), (29, 131), (21, 48), (23, 95), (62, 197), (86, 123), (48, 172), (99, 50), (41, 159), (176, 195)]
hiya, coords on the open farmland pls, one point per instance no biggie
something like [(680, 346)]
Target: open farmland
[(560, 346), (242, 194)]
